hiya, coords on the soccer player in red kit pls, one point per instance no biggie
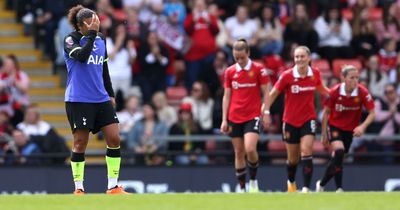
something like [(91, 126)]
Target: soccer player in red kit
[(343, 112), (241, 111), (299, 126)]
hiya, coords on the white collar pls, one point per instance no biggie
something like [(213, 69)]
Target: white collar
[(247, 67), (296, 73), (342, 90)]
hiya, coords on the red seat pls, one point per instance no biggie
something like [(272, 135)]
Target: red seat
[(337, 65), (175, 95), (277, 147), (347, 13), (375, 14), (319, 148), (323, 66)]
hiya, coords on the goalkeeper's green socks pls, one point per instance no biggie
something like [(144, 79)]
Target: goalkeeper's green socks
[(78, 169), (113, 159)]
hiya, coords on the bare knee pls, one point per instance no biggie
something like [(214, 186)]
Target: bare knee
[(113, 140), (80, 145), (251, 151), (293, 160), (239, 154)]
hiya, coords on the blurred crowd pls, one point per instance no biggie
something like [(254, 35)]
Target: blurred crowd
[(167, 59)]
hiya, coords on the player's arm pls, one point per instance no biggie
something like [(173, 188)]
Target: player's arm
[(368, 103), (107, 80), (106, 77), (271, 98), (77, 52), (359, 130), (265, 112), (226, 100), (324, 126), (322, 89)]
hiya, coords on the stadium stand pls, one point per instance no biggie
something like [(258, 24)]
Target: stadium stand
[(337, 64), (323, 66), (175, 95)]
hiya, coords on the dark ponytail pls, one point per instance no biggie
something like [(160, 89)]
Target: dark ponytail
[(77, 14)]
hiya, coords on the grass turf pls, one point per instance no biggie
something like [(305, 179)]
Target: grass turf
[(206, 201)]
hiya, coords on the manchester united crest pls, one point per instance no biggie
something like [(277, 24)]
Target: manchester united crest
[(356, 99)]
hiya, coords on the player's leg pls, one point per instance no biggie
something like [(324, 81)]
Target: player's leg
[(107, 122), (250, 141), (307, 137), (251, 136), (292, 140), (293, 158), (334, 165), (81, 138), (80, 117), (240, 163), (336, 137), (113, 154), (340, 151), (306, 144)]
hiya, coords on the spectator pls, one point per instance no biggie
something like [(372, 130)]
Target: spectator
[(129, 116), (165, 112), (18, 83), (300, 31), (283, 11), (5, 93), (153, 58), (187, 126), (387, 120), (202, 105), (376, 78), (5, 125), (43, 135), (141, 139), (213, 75), (221, 37), (388, 59), (334, 34), (64, 28), (176, 12), (241, 26), (135, 29), (270, 32), (47, 14), (105, 13), (120, 57), (364, 42), (18, 150), (202, 29), (389, 26)]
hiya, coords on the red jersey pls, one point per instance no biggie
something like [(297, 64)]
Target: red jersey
[(346, 110), (299, 95), (245, 83)]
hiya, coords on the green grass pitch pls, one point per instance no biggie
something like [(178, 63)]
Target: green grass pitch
[(206, 201)]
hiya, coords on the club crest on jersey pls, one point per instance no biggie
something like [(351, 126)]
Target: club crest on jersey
[(97, 60), (69, 41), (251, 73), (356, 99)]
